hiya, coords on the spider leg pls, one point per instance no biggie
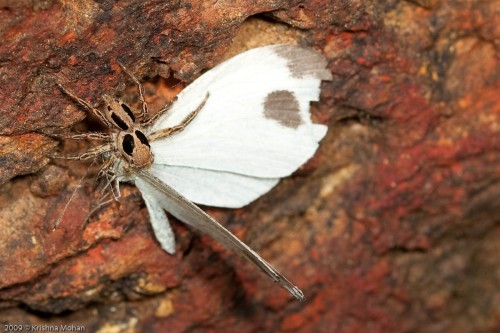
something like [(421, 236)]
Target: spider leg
[(86, 105), (171, 130), (110, 188), (160, 113), (113, 184), (144, 112), (76, 136), (90, 136), (91, 153), (81, 136), (104, 170)]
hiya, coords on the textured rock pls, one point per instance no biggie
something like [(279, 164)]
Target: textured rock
[(392, 227)]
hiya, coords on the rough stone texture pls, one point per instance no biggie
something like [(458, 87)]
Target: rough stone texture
[(23, 154), (392, 227)]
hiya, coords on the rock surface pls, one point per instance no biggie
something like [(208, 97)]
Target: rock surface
[(392, 227)]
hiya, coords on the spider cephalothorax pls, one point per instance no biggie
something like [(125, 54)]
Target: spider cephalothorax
[(134, 147), (129, 140)]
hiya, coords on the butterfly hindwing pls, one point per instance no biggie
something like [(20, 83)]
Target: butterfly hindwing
[(192, 215), (159, 220), (214, 188)]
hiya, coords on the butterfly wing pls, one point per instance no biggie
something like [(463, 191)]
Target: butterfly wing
[(214, 188), (189, 213), (159, 221), (254, 128)]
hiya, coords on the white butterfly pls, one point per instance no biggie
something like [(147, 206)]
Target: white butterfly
[(226, 140)]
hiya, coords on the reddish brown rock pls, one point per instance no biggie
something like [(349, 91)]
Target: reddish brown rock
[(391, 227), (23, 154)]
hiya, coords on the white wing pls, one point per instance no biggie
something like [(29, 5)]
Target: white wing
[(224, 189), (192, 215), (254, 128), (159, 220)]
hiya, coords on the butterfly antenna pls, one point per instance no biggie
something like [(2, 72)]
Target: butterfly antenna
[(56, 225)]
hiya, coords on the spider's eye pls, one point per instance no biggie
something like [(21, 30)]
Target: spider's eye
[(128, 144)]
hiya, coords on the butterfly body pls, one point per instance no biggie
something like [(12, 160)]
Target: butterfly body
[(228, 138)]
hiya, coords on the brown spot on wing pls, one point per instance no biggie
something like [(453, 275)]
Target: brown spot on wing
[(282, 106), (304, 62)]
